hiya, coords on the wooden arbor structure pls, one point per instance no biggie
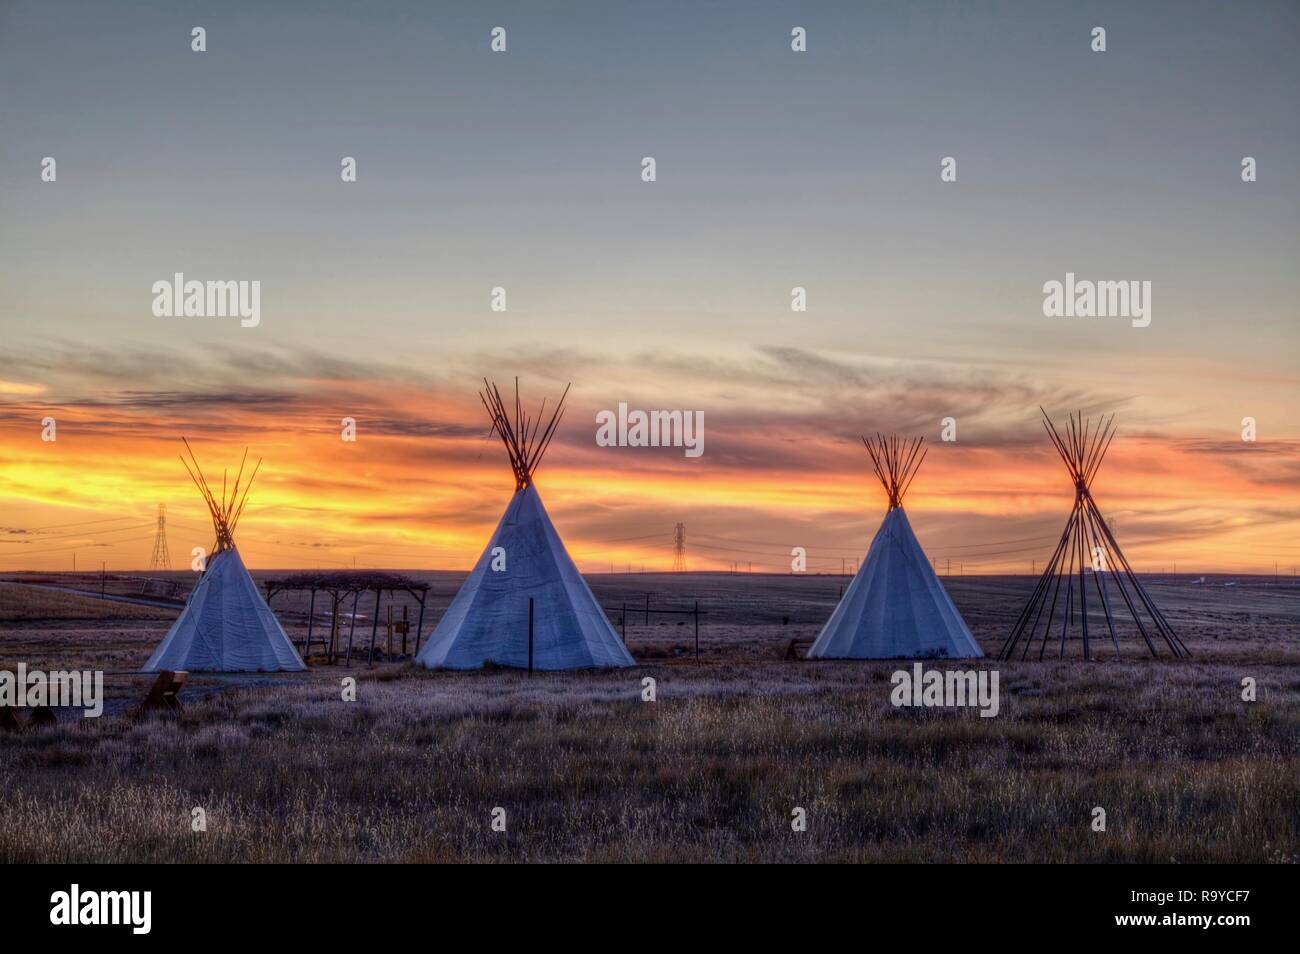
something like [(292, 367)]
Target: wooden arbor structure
[(1088, 543), (339, 587)]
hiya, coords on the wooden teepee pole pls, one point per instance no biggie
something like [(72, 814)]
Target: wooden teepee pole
[(523, 435), (1082, 445)]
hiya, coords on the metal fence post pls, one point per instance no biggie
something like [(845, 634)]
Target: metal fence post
[(311, 621), (697, 630), (374, 630)]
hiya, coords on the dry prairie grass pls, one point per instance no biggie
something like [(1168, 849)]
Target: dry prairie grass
[(288, 772), (25, 603), (709, 772)]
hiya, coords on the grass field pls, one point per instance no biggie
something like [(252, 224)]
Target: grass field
[(286, 771)]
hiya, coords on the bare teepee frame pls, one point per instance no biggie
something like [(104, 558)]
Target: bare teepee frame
[(896, 462), (520, 431), (226, 509), (1088, 543)]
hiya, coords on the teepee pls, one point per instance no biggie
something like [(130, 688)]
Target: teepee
[(225, 626), (525, 579), (895, 607), (1059, 601)]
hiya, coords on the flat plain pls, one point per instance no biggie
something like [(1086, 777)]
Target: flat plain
[(285, 770)]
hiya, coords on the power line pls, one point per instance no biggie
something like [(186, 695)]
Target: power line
[(69, 536), (86, 546), (79, 523), (996, 543), (858, 549), (648, 536), (770, 543), (706, 546)]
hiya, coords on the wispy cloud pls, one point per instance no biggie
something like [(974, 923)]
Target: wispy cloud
[(424, 483)]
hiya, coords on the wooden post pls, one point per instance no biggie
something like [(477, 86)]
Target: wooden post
[(334, 629), (1083, 596), (374, 630), (406, 628), (530, 635), (311, 619), (419, 625), (356, 595), (389, 650), (697, 630)]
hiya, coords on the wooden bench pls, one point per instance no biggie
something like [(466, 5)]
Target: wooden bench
[(38, 715), (163, 692), (796, 649)]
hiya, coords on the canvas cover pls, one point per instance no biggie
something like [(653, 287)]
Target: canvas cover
[(226, 626), (488, 619), (895, 607)]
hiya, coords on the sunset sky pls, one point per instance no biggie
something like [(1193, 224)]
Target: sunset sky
[(522, 170)]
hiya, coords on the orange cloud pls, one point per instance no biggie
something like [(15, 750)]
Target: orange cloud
[(424, 482)]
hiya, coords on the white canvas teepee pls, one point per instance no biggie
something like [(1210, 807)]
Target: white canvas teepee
[(525, 559), (895, 607), (226, 626)]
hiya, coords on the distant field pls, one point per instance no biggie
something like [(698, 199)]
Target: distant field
[(20, 603), (286, 771)]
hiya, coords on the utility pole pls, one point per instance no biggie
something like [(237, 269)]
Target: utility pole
[(679, 548), (160, 559)]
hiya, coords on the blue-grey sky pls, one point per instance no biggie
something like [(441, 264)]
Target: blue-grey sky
[(775, 169)]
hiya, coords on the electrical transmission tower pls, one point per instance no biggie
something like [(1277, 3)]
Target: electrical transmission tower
[(161, 559), (679, 548)]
